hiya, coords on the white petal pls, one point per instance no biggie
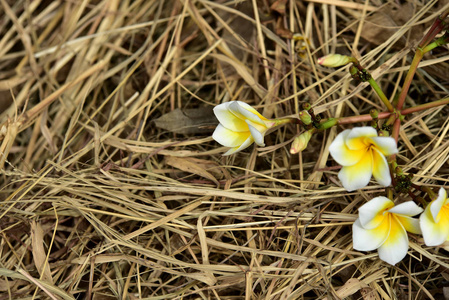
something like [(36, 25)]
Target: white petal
[(245, 145), (369, 239), (251, 109), (358, 138), (386, 145), (435, 205), (341, 153), (395, 247), (243, 113), (228, 119), (357, 176), (408, 208), (257, 136), (434, 234), (371, 214), (229, 138), (381, 171)]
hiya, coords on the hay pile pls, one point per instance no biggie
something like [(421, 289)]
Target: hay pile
[(112, 187)]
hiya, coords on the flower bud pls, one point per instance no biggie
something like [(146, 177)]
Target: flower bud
[(300, 142), (334, 60), (374, 113), (305, 117)]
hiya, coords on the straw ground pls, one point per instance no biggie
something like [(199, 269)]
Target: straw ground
[(112, 187)]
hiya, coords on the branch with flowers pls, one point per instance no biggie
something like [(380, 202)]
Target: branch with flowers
[(363, 153)]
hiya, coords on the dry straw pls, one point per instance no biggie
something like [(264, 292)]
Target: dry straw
[(99, 203)]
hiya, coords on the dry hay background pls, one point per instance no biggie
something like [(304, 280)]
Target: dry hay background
[(112, 188)]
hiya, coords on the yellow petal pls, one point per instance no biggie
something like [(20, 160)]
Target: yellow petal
[(434, 233), (251, 109), (357, 176), (435, 205), (245, 145), (386, 145), (228, 119), (256, 134), (369, 239), (341, 153), (404, 212), (358, 138), (245, 112), (380, 168), (395, 247), (229, 138), (408, 208), (410, 224), (372, 213)]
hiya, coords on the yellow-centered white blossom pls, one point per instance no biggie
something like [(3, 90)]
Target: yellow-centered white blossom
[(383, 226), (240, 126), (362, 154), (434, 221)]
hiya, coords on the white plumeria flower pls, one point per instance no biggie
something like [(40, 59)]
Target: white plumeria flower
[(362, 154), (240, 126), (434, 221), (383, 226)]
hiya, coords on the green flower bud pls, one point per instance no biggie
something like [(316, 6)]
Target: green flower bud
[(334, 60), (300, 142), (305, 117)]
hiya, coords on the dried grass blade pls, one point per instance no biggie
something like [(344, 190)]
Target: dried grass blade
[(39, 255)]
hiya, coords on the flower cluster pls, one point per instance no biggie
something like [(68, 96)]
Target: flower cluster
[(381, 225), (363, 154)]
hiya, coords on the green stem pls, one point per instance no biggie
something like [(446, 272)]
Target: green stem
[(443, 40), (390, 194), (429, 192), (424, 106), (328, 124), (278, 122), (391, 120), (380, 93)]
